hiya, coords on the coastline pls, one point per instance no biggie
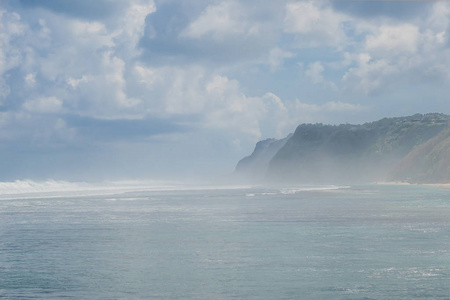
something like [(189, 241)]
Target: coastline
[(444, 185)]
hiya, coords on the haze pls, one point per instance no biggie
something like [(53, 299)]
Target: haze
[(95, 90)]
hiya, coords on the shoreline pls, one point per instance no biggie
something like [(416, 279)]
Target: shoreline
[(444, 185)]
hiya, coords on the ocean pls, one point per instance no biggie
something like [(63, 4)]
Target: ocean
[(238, 242)]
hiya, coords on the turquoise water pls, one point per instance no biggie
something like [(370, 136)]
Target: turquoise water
[(366, 242)]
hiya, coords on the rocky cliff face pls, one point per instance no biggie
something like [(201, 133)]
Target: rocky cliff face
[(254, 167), (380, 150)]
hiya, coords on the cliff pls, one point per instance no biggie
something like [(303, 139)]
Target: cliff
[(255, 165), (427, 163), (391, 148)]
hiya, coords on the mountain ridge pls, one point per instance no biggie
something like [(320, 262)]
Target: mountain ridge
[(347, 153)]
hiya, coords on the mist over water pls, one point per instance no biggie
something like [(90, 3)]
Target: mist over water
[(216, 242)]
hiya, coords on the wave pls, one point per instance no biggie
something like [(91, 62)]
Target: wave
[(59, 188), (295, 190), (21, 189), (30, 186), (289, 191)]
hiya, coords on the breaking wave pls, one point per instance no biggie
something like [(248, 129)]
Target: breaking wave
[(58, 188), (295, 190), (289, 191)]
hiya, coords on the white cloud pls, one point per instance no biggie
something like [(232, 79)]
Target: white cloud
[(131, 27), (439, 18), (12, 25), (276, 120), (217, 98), (147, 76), (11, 56), (277, 57), (200, 75), (378, 54), (370, 76), (45, 32), (92, 34), (114, 74), (218, 84), (75, 82), (220, 21), (91, 57), (222, 103), (314, 72), (393, 56), (315, 24), (392, 40), (30, 79), (44, 105), (134, 19)]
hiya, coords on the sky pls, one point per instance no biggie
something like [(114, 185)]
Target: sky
[(105, 89)]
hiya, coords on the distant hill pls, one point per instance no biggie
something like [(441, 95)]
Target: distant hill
[(414, 148)]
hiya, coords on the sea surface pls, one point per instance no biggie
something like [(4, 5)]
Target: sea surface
[(291, 242)]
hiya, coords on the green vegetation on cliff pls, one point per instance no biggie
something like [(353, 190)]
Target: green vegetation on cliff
[(386, 149)]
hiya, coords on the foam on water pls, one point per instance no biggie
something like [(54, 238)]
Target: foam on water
[(301, 189), (296, 190), (57, 188)]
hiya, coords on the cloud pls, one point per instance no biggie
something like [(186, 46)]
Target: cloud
[(113, 68), (44, 105), (315, 24), (132, 28), (393, 40), (30, 79), (314, 72), (92, 34), (195, 91), (439, 16), (75, 82), (371, 76), (84, 61), (277, 57), (220, 21), (405, 54), (222, 33), (117, 74), (10, 55), (109, 66)]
